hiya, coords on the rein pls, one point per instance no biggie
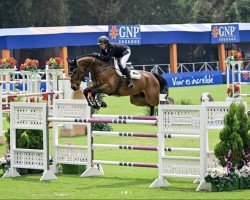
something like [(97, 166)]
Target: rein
[(88, 69)]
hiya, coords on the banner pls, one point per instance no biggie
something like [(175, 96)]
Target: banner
[(125, 34), (194, 78), (228, 33)]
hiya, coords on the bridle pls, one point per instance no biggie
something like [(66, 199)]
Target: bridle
[(79, 72), (88, 69)]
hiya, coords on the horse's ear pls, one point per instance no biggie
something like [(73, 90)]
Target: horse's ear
[(72, 64)]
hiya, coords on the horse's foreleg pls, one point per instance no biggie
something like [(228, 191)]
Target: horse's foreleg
[(86, 91), (95, 93), (89, 97)]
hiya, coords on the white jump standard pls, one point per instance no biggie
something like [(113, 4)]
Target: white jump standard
[(29, 116)]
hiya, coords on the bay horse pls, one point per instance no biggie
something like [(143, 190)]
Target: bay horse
[(105, 80)]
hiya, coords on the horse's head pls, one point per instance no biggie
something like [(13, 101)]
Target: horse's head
[(84, 65), (76, 78)]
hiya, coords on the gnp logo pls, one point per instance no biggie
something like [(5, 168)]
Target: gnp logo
[(225, 33), (120, 34)]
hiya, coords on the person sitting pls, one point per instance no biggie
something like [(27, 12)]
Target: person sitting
[(120, 52)]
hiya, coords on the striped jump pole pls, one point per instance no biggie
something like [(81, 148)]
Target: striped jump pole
[(168, 149), (124, 134), (243, 83), (144, 148), (125, 147), (245, 95), (126, 117), (126, 164), (138, 134), (100, 120), (31, 94), (242, 71)]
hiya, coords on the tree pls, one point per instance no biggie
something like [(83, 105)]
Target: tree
[(50, 13), (232, 14), (28, 13), (202, 11), (129, 12), (243, 131), (229, 149), (244, 10), (15, 13), (95, 12), (154, 12)]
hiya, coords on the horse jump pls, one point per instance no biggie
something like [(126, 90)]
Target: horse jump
[(186, 122)]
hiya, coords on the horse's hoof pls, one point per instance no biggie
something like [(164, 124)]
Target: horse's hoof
[(104, 105), (98, 103), (96, 107)]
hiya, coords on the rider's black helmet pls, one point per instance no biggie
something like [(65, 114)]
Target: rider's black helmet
[(103, 39)]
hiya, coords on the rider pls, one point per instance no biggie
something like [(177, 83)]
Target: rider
[(118, 51)]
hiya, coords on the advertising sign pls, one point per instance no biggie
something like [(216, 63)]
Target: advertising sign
[(125, 34), (194, 78), (225, 33)]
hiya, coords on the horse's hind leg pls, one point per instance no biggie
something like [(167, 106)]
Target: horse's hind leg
[(152, 110), (152, 97), (138, 100), (141, 101)]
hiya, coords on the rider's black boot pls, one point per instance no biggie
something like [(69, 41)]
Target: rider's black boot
[(130, 82)]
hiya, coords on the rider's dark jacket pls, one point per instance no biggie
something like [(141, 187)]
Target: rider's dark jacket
[(114, 50)]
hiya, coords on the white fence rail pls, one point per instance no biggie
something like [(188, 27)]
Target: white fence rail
[(184, 67)]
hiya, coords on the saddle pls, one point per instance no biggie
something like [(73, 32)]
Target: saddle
[(133, 73)]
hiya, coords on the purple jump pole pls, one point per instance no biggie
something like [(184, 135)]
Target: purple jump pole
[(99, 120), (125, 117), (124, 134), (126, 164), (126, 147)]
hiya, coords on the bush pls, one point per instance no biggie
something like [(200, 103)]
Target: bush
[(27, 139), (101, 127), (185, 102), (229, 149), (243, 131)]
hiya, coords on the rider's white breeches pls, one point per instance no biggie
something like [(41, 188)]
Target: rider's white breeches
[(124, 59)]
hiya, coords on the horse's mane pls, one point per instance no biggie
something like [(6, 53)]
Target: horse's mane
[(84, 56), (98, 60), (90, 55)]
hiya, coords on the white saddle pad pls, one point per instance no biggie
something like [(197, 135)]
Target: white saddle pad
[(133, 73)]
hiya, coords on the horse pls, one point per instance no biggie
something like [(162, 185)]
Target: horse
[(105, 80)]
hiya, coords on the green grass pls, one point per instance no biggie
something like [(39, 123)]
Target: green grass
[(122, 182)]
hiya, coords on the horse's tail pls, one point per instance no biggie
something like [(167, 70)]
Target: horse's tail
[(163, 84)]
